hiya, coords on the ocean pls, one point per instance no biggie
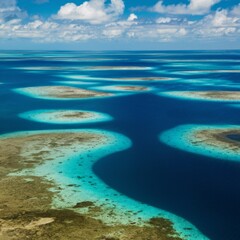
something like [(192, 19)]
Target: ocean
[(200, 188)]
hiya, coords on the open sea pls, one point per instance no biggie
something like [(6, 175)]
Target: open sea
[(201, 189)]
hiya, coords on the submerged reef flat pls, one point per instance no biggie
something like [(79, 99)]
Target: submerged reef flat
[(204, 95), (60, 92), (219, 71), (82, 59), (124, 89), (127, 88), (117, 68), (207, 71), (196, 65), (189, 60), (210, 82), (132, 88), (234, 105), (120, 79), (49, 191), (65, 116), (222, 142), (75, 82), (144, 79), (49, 68)]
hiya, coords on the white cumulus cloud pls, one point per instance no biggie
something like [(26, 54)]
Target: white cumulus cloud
[(132, 17), (92, 11), (163, 20), (195, 7)]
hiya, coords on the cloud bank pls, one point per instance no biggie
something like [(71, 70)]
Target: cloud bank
[(97, 20)]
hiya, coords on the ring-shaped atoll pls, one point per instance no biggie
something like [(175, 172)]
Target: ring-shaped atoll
[(55, 116)]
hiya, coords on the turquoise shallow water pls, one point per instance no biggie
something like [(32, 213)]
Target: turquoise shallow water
[(159, 178)]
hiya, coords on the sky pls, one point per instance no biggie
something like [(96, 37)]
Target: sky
[(119, 24)]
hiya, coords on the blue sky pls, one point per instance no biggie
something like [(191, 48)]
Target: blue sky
[(119, 24)]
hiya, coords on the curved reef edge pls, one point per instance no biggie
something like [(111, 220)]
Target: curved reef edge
[(48, 191)]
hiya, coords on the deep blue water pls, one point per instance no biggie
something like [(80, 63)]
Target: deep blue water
[(205, 191), (235, 137)]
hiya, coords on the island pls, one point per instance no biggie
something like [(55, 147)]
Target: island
[(60, 92), (64, 116), (220, 142)]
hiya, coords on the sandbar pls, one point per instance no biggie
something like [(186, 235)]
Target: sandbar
[(132, 88), (204, 95)]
